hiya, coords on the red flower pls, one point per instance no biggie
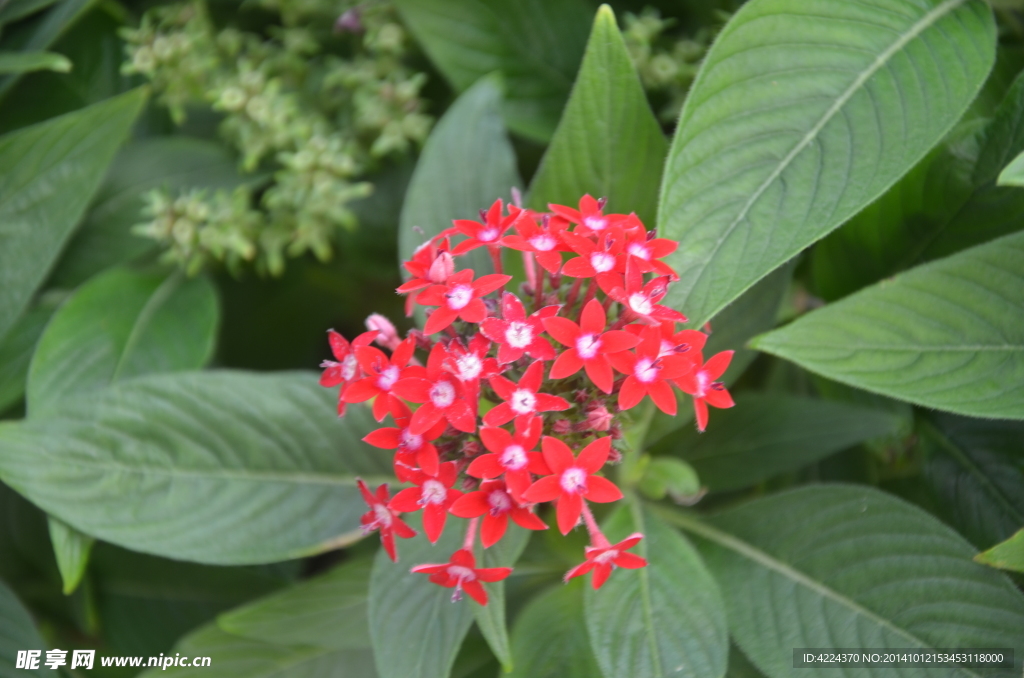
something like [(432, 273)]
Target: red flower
[(597, 260), (441, 393), (434, 494), (346, 369), (589, 217), (488, 233), (642, 300), (431, 264), (511, 456), (382, 375), (411, 448), (648, 373), (603, 559), (382, 518), (462, 574), (543, 240), (644, 251), (459, 297), (573, 479), (702, 384), (522, 399), (516, 334), (496, 505), (588, 345)]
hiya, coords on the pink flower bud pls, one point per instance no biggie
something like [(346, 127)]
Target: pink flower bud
[(442, 268), (561, 427), (615, 432), (387, 334), (599, 418), (471, 448), (349, 22), (423, 342)]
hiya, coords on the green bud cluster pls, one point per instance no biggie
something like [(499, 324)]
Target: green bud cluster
[(317, 109)]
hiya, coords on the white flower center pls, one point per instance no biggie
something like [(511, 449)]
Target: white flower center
[(639, 250), (666, 348), (459, 296), (434, 492), (442, 394), (499, 501), (514, 457), (487, 235), (574, 480), (523, 401), (595, 223), (587, 345), (607, 557), (543, 242), (470, 366), (646, 371), (381, 515), (409, 440), (461, 573), (519, 334), (348, 367), (602, 262), (639, 302), (388, 378), (702, 383)]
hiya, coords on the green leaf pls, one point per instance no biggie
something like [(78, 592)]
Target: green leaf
[(948, 334), (237, 657), (48, 174), (549, 639), (16, 352), (608, 143), (770, 433), (949, 202), (17, 632), (666, 476), (219, 467), (535, 44), (664, 619), (174, 163), (975, 469), (491, 617), (119, 325), (1013, 174), (72, 549), (466, 164), (415, 626), (1008, 555), (40, 34), (799, 118), (850, 566), (329, 611), (13, 10), (25, 62)]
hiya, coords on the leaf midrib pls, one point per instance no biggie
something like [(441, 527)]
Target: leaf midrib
[(156, 300), (879, 62), (771, 563)]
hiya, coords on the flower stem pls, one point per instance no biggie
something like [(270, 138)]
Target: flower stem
[(495, 259), (597, 538), (470, 534)]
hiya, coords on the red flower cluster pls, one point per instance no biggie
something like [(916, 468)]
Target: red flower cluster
[(585, 337)]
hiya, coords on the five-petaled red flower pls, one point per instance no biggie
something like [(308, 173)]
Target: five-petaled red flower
[(602, 559), (597, 260), (642, 300), (382, 373), (462, 574), (702, 383), (459, 297), (572, 479), (488, 233), (511, 455), (345, 366), (383, 519), (589, 217), (496, 505), (431, 264), (648, 372), (516, 334), (522, 399), (588, 345), (434, 494), (543, 239), (440, 392), (413, 451)]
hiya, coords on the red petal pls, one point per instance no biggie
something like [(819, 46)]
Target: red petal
[(495, 439), (720, 399), (406, 501), (567, 364), (545, 489), (541, 349), (623, 362), (488, 283), (384, 438), (486, 466), (502, 386), (663, 396), (600, 372), (401, 529), (492, 530), (593, 319), (499, 415), (461, 417), (550, 403), (470, 505), (362, 390), (601, 573), (424, 418), (440, 319), (564, 331), (593, 456), (717, 364), (428, 460), (493, 574), (578, 268), (433, 521), (701, 411), (602, 490), (476, 591), (494, 329), (532, 377), (557, 455), (526, 519), (579, 570), (412, 389), (332, 376), (570, 506), (630, 561), (631, 393), (617, 340)]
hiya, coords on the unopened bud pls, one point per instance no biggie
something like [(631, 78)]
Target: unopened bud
[(561, 427), (442, 268), (387, 334), (471, 448), (581, 395), (615, 432), (349, 22), (422, 341), (599, 418), (614, 456)]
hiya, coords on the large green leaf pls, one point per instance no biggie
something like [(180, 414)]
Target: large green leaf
[(72, 549), (804, 112), (852, 567), (12, 10), (17, 632), (41, 33), (218, 467), (666, 619), (16, 352), (1007, 555), (948, 334), (608, 143), (48, 174), (466, 164), (950, 201), (119, 325), (549, 639), (26, 62), (491, 618), (329, 611), (771, 433), (975, 468), (535, 44), (415, 625), (172, 163), (239, 657)]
